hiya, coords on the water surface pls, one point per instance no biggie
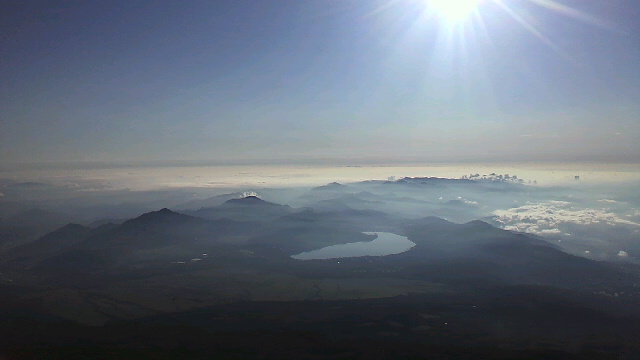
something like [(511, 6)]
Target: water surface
[(384, 244)]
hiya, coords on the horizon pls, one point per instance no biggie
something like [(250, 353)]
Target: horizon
[(327, 162), (218, 177)]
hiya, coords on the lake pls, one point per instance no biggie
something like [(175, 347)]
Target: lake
[(384, 244)]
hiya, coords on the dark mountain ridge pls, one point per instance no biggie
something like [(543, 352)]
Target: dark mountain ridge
[(153, 236), (515, 257)]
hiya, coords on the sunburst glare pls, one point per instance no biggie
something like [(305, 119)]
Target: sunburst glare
[(459, 14), (454, 11)]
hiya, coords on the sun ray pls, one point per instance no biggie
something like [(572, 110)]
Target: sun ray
[(532, 29), (385, 6), (575, 14), (483, 27)]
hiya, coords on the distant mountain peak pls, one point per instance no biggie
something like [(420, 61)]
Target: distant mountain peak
[(247, 200), (161, 215), (251, 197), (480, 224), (331, 186), (163, 211), (435, 219)]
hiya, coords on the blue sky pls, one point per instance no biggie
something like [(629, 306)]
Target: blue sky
[(306, 80)]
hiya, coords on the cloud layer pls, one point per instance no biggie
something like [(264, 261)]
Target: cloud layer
[(606, 233), (547, 217)]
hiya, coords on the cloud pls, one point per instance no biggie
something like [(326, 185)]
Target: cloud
[(546, 218), (608, 201), (468, 202), (550, 231), (248, 193)]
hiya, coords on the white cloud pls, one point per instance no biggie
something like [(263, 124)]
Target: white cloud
[(550, 231), (545, 218), (468, 202), (608, 201)]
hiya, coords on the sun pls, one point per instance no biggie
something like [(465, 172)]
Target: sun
[(453, 11)]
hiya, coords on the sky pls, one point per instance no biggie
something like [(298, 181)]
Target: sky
[(308, 80)]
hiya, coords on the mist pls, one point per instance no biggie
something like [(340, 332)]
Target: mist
[(589, 210)]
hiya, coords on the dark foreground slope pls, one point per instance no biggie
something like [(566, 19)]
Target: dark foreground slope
[(488, 325)]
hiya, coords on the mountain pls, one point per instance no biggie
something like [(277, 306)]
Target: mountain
[(209, 202), (429, 181), (344, 218), (162, 235), (346, 202), (222, 277), (334, 186), (287, 241), (152, 230), (443, 249), (38, 218), (14, 236), (324, 192), (102, 222), (251, 200), (249, 208), (463, 279), (438, 236), (479, 250), (162, 216), (51, 243), (28, 225)]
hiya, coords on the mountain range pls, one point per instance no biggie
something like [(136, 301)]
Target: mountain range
[(195, 268)]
